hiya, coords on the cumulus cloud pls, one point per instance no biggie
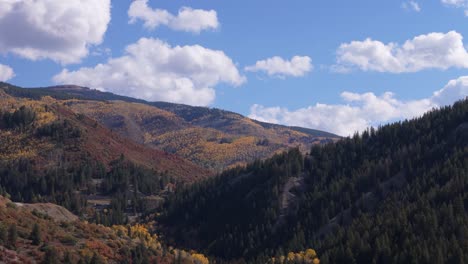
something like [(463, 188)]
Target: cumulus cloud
[(455, 90), (52, 29), (153, 70), (276, 66), (457, 3), (360, 111), (411, 5), (188, 19), (431, 51), (6, 73)]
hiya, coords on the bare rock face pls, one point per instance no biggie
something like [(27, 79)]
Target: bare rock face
[(57, 213)]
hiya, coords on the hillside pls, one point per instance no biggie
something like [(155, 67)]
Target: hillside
[(88, 137), (55, 212), (393, 195), (35, 233), (32, 233), (51, 154), (212, 138)]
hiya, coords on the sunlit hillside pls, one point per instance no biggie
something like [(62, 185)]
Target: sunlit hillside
[(212, 138)]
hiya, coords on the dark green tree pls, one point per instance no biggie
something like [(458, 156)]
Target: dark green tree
[(12, 236), (51, 256), (35, 235), (3, 235), (97, 259)]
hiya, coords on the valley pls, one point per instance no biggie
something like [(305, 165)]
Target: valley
[(114, 162), (208, 185), (233, 132)]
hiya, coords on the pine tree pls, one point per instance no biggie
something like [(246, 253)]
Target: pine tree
[(3, 235), (12, 236), (51, 256), (35, 235), (97, 259)]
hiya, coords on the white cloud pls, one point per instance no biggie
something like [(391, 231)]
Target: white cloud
[(458, 4), (411, 5), (360, 111), (52, 29), (455, 90), (101, 51), (188, 19), (6, 73), (431, 51), (276, 66), (153, 70)]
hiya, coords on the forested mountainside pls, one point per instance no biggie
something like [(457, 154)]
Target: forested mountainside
[(49, 153), (52, 155), (397, 194), (212, 138)]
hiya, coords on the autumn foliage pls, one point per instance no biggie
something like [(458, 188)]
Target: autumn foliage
[(309, 256)]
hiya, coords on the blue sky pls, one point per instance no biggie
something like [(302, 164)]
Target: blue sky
[(346, 75)]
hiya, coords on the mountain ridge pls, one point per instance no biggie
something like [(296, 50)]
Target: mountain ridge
[(86, 93), (212, 138)]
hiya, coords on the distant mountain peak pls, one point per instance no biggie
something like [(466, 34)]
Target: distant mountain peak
[(69, 87), (210, 137)]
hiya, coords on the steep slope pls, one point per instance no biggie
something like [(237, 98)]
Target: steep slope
[(212, 138), (55, 212), (93, 139), (393, 195), (35, 233), (37, 236), (164, 130), (107, 146), (50, 154)]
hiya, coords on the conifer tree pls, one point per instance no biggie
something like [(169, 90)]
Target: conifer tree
[(35, 235), (12, 236)]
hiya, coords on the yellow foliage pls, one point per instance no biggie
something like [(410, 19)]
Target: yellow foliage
[(141, 232), (186, 257), (308, 256), (199, 259), (120, 230), (44, 118), (218, 149), (212, 148), (14, 145), (310, 253)]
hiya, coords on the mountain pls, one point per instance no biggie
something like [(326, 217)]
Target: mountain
[(92, 138), (393, 195), (51, 154), (47, 233), (212, 138), (84, 150)]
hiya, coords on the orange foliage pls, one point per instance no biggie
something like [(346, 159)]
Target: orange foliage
[(309, 256)]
